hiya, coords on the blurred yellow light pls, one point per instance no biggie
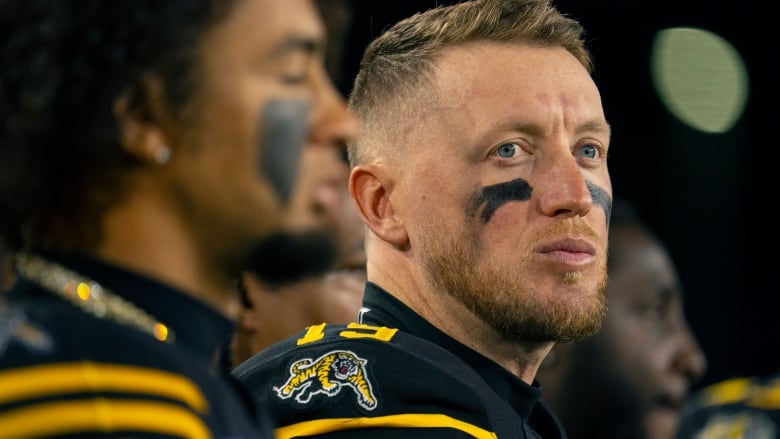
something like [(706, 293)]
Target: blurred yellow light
[(700, 77), (161, 332), (83, 291)]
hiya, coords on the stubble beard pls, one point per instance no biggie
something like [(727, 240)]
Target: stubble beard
[(503, 299)]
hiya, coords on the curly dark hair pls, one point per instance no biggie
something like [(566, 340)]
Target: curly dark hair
[(64, 65)]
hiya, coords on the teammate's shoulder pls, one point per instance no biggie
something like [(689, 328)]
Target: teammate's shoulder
[(750, 405), (58, 332), (53, 395), (752, 391), (22, 335)]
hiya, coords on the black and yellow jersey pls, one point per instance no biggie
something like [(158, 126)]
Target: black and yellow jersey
[(67, 373), (393, 375), (737, 408)]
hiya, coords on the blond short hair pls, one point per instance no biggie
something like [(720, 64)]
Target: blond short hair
[(396, 65)]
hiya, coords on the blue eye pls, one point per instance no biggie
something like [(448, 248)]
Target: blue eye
[(589, 151), (507, 150)]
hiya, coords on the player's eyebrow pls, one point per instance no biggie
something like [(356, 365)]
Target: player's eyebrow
[(298, 43)]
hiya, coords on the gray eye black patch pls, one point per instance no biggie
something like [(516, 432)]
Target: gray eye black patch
[(284, 126), (601, 198)]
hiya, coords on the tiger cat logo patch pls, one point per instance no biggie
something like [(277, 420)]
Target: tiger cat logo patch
[(327, 375)]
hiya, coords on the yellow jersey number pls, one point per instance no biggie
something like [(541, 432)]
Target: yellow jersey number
[(354, 330)]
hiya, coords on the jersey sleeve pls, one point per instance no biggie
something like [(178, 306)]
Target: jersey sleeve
[(83, 397)]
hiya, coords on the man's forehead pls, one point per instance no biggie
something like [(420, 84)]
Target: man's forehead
[(281, 21)]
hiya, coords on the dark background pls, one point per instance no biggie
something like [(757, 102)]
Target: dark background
[(708, 196)]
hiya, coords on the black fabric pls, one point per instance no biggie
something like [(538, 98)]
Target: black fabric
[(77, 355), (424, 383)]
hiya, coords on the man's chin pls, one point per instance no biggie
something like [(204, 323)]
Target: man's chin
[(662, 422), (287, 257)]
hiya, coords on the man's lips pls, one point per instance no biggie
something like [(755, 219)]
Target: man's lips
[(575, 252), (669, 402)]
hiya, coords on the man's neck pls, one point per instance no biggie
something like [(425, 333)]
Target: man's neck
[(152, 241), (450, 316)]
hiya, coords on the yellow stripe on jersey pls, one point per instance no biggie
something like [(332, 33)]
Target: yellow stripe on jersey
[(102, 415), (61, 378), (726, 392), (766, 397), (410, 420)]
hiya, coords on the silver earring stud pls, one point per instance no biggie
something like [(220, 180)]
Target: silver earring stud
[(162, 155)]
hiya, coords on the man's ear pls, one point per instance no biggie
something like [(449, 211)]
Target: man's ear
[(370, 188), (249, 287), (141, 117)]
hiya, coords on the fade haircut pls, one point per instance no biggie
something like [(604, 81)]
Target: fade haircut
[(65, 65), (397, 65)]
